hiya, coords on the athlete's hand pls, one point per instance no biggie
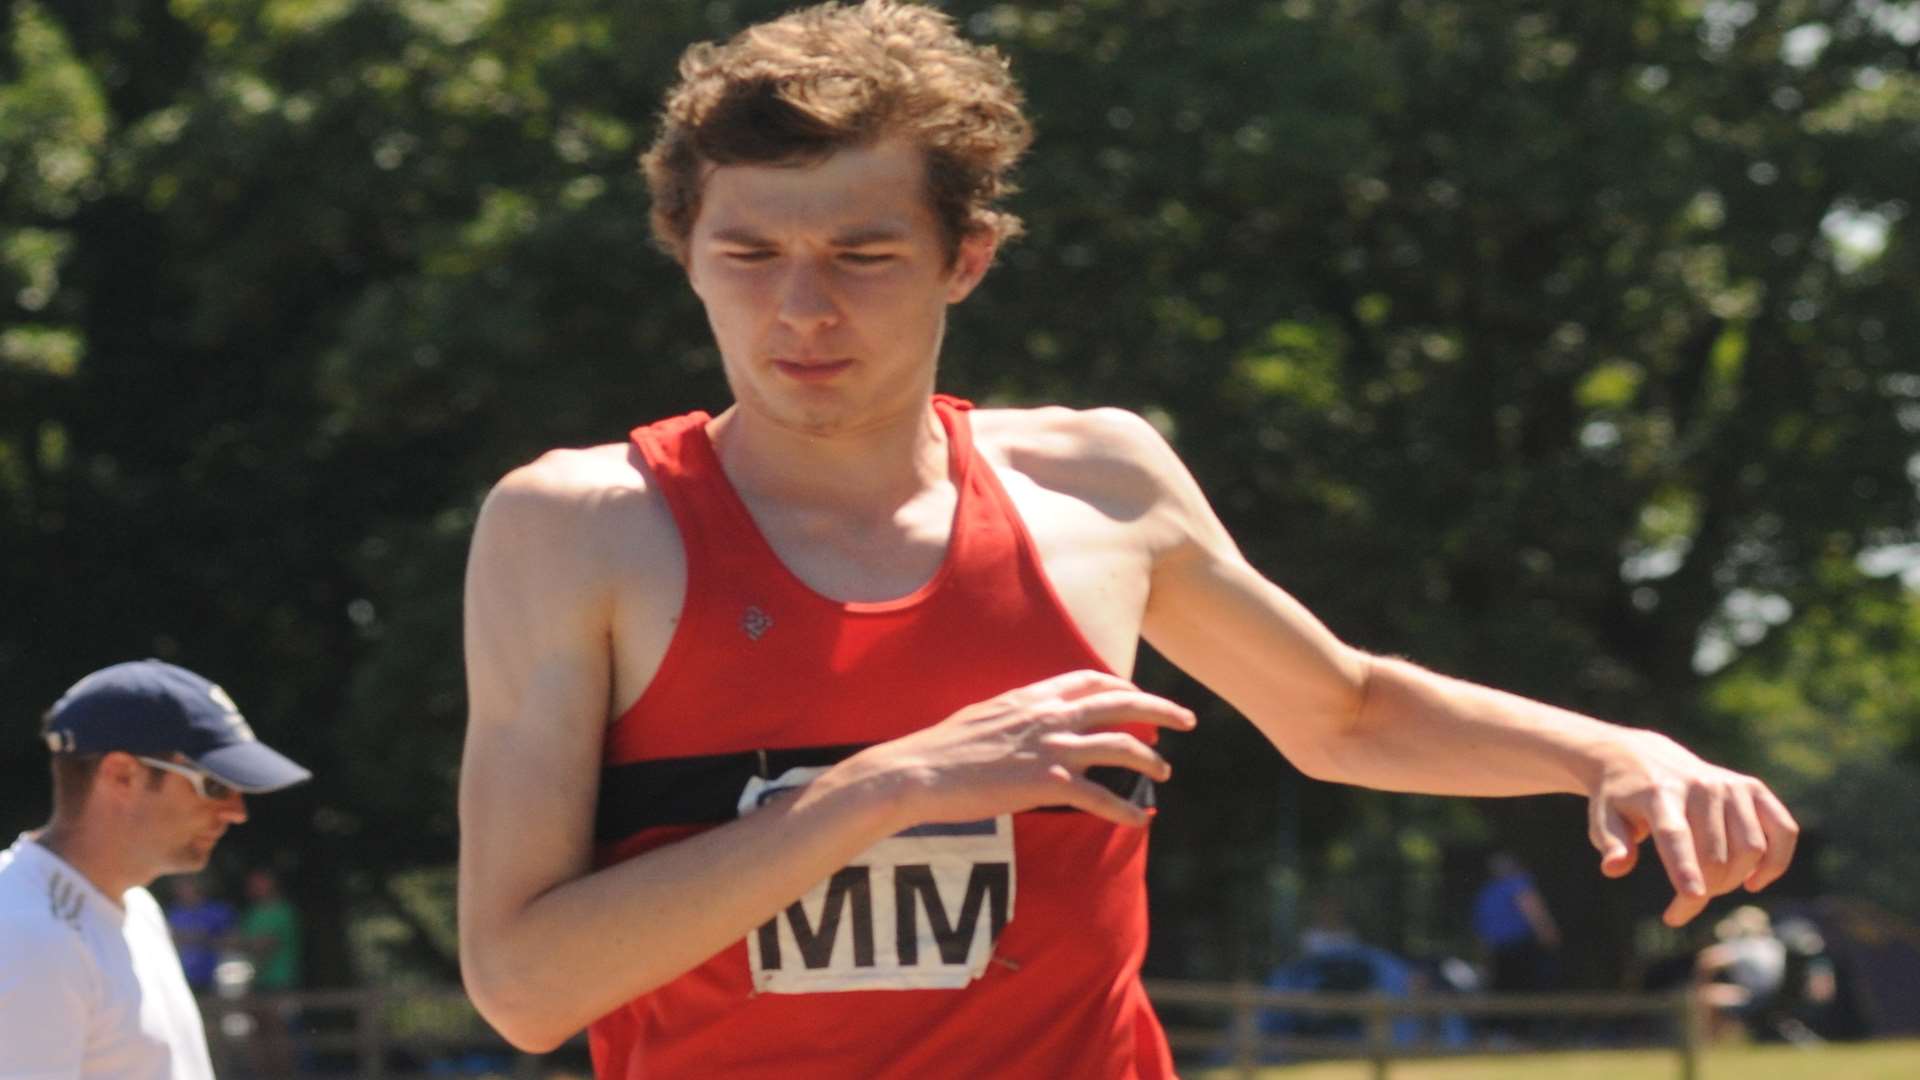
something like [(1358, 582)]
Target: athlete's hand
[(1716, 830), (1026, 748)]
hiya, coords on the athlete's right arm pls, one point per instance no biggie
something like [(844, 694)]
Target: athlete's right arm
[(547, 944)]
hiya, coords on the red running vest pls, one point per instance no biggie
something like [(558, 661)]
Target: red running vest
[(1004, 948)]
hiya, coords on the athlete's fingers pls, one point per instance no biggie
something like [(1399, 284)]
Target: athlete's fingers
[(1613, 838), (1673, 838), (1083, 752), (1746, 841), (1783, 834), (1112, 708), (1683, 908), (1083, 794), (1071, 686), (1707, 817)]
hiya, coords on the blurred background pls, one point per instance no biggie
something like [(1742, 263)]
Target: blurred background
[(1564, 346)]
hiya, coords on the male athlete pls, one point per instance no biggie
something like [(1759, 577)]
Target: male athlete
[(801, 741)]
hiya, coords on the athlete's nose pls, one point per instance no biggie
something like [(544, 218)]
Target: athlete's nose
[(806, 302), (233, 809)]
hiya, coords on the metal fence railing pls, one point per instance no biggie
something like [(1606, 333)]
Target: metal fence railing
[(1236, 1039), (395, 1034)]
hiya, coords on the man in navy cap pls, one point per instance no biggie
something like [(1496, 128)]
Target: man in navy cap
[(151, 764)]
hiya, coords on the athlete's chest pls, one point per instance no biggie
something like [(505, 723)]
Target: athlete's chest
[(1094, 570)]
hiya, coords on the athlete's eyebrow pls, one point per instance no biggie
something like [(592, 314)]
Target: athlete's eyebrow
[(854, 236), (741, 235), (862, 235)]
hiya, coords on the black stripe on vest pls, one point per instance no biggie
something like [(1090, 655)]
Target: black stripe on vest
[(705, 789)]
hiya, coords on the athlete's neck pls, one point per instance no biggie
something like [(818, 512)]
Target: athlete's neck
[(93, 859), (870, 470)]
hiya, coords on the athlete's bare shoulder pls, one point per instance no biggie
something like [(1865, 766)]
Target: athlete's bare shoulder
[(1112, 459), (1060, 429), (1108, 456), (583, 518), (572, 475), (581, 492)]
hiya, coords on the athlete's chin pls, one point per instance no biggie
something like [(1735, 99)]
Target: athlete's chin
[(837, 410), (819, 418), (193, 857)]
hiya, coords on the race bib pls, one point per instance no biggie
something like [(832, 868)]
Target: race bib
[(920, 910)]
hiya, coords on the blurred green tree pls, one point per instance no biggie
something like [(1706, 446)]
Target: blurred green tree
[(1557, 345)]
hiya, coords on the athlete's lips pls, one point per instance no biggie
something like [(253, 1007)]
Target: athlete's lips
[(812, 369)]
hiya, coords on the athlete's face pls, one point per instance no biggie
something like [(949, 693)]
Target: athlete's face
[(181, 826), (827, 285)]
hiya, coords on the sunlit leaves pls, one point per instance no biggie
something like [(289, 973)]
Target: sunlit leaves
[(1299, 363), (45, 350), (53, 119)]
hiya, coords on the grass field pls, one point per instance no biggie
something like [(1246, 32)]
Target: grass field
[(1844, 1061)]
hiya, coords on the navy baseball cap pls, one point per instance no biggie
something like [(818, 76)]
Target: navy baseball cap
[(155, 709)]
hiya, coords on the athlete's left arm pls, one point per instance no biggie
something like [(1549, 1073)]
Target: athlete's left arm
[(1342, 715)]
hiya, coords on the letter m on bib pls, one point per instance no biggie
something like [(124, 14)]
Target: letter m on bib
[(915, 889), (942, 892), (850, 887)]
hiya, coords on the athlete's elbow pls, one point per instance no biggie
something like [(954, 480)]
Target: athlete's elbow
[(1335, 749), (516, 1020), (1323, 733), (532, 1040), (1330, 754), (509, 1002), (1312, 763)]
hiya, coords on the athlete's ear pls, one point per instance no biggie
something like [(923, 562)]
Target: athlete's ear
[(118, 771), (970, 263)]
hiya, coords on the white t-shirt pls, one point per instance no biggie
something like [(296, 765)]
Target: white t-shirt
[(88, 989), (1757, 963)]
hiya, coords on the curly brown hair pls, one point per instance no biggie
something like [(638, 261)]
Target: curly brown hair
[(801, 87)]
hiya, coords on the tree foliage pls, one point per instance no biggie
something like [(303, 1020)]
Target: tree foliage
[(1558, 345)]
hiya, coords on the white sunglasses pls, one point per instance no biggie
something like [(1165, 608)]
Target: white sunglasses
[(205, 784)]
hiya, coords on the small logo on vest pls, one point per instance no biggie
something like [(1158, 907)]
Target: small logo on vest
[(756, 622)]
